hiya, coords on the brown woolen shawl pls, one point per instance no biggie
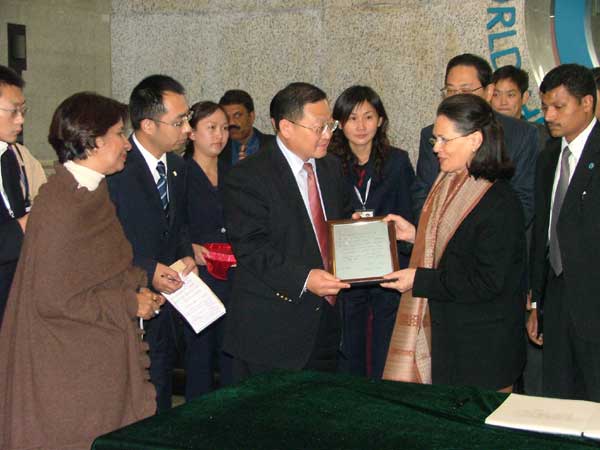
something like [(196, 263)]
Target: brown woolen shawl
[(72, 364)]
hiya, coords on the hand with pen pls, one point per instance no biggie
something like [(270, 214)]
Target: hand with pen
[(168, 280)]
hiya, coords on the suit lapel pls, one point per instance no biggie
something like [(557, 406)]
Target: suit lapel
[(326, 190), (287, 183), (137, 164), (172, 183), (588, 164)]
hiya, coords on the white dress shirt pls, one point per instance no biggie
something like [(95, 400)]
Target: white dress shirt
[(576, 148), (152, 162), (297, 165)]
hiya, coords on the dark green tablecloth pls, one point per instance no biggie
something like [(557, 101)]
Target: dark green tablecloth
[(307, 410)]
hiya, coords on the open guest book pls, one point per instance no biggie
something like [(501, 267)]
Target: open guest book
[(195, 301), (548, 415)]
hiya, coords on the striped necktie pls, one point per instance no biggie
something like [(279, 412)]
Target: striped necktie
[(161, 184)]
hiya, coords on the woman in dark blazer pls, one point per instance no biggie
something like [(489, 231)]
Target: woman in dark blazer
[(378, 177), (462, 288), (206, 226)]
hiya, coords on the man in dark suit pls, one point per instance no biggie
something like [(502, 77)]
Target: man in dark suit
[(149, 196), (13, 216), (469, 73), (276, 204), (565, 246), (244, 139)]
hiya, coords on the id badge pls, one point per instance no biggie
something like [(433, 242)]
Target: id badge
[(365, 213)]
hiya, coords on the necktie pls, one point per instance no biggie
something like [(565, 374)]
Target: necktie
[(242, 153), (161, 184), (318, 219), (559, 196), (11, 182)]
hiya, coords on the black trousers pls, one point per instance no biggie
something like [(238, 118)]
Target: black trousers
[(356, 305), (571, 363)]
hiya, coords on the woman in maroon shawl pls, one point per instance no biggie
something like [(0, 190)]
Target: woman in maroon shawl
[(72, 362), (460, 319)]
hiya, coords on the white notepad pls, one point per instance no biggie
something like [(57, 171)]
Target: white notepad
[(195, 301), (548, 415)]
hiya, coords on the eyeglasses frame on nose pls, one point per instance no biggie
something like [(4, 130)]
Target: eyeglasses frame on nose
[(320, 130)]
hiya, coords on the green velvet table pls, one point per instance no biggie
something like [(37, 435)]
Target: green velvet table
[(305, 410)]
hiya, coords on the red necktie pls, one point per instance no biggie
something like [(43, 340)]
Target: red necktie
[(318, 220)]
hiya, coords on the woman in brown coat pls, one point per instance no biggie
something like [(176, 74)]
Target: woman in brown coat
[(72, 362)]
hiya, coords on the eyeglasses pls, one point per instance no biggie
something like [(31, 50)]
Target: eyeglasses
[(442, 140), (179, 123), (14, 112), (448, 92), (320, 130)]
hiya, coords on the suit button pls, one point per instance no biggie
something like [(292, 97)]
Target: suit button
[(165, 234)]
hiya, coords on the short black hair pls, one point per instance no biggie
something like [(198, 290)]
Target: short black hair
[(146, 101), (79, 120), (8, 77), (200, 110), (596, 73), (237, 97), (470, 113), (289, 102), (576, 79), (514, 74), (484, 70)]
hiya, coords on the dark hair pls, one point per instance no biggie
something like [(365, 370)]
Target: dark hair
[(289, 102), (146, 101), (79, 120), (576, 79), (470, 113), (200, 110), (8, 77), (514, 74), (237, 97), (344, 106), (484, 71), (596, 73)]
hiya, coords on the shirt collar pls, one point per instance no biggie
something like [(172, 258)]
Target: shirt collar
[(3, 147), (296, 163), (151, 160), (577, 144)]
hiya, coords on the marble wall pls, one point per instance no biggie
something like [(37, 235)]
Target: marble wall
[(68, 50), (399, 47)]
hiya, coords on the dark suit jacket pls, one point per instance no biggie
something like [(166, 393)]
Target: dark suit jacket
[(11, 235), (521, 140), (390, 193), (578, 231), (134, 193), (263, 140), (205, 204), (476, 296), (269, 321)]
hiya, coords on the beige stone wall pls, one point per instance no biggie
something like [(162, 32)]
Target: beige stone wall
[(399, 47), (68, 50)]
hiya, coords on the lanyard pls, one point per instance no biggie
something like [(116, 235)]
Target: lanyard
[(360, 199)]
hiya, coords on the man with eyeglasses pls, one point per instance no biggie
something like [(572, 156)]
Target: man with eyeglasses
[(283, 311), (468, 73), (244, 138), (21, 175), (149, 196)]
